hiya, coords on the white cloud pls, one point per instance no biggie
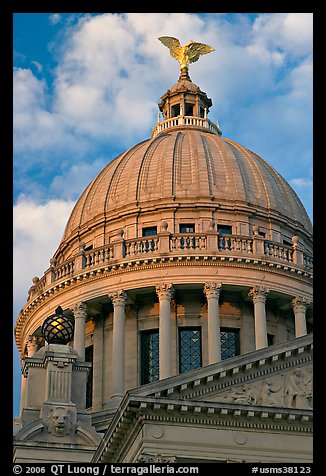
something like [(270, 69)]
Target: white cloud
[(112, 71), (289, 32), (78, 177), (37, 231)]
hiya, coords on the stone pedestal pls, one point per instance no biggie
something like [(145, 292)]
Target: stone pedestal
[(54, 415)]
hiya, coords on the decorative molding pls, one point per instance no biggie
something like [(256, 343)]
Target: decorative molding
[(165, 291), (299, 303), (150, 458), (137, 411), (80, 310), (212, 290), (260, 418), (258, 294), (118, 297), (154, 263)]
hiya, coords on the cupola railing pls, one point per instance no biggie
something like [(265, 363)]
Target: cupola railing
[(194, 121)]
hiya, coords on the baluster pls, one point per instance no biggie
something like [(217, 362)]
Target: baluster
[(204, 243)]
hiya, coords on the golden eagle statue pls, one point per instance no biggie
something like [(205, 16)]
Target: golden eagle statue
[(189, 53)]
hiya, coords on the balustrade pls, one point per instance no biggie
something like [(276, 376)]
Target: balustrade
[(186, 120), (141, 246), (175, 243), (236, 243), (278, 251), (99, 256), (65, 269), (193, 241)]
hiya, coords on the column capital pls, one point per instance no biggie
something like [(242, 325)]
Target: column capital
[(300, 303), (165, 291), (212, 290), (258, 294), (118, 297), (80, 309)]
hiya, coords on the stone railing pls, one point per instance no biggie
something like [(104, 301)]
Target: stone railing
[(278, 251), (186, 121), (101, 255), (243, 244), (188, 241), (143, 245), (165, 243)]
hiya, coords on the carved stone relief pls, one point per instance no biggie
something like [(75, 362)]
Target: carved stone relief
[(293, 389), (59, 422), (146, 458)]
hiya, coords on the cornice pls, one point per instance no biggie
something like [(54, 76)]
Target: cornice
[(135, 411), (157, 262)]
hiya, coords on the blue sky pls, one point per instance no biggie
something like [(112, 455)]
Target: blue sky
[(86, 88)]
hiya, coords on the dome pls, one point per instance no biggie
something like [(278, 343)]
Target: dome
[(187, 166)]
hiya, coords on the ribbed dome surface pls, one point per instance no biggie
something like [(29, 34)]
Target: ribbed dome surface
[(182, 165)]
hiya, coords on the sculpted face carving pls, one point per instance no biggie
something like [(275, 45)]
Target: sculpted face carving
[(59, 422)]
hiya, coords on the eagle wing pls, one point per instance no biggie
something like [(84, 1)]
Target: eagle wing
[(195, 50), (174, 46)]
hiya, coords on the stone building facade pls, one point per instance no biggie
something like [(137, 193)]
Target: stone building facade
[(186, 266)]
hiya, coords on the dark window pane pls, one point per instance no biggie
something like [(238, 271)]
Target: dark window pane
[(189, 349), (224, 229), (149, 357), (189, 109), (187, 228), (89, 385), (149, 231), (176, 110), (230, 343)]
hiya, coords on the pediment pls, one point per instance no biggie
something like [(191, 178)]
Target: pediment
[(277, 376), (290, 389)]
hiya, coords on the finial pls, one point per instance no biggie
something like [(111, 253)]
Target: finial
[(189, 53)]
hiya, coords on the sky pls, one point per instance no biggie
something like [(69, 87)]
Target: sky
[(86, 88)]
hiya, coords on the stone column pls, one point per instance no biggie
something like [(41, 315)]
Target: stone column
[(299, 308), (165, 293), (80, 314), (212, 292), (98, 342), (118, 299), (258, 294)]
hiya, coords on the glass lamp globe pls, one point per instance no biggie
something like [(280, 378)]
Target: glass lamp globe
[(58, 328)]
